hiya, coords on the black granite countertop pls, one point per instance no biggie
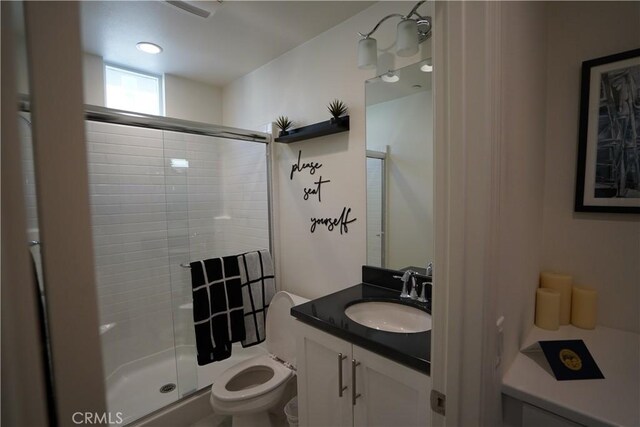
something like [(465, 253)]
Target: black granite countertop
[(327, 314)]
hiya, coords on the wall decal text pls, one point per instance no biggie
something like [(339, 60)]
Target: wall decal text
[(297, 167), (342, 221), (316, 190)]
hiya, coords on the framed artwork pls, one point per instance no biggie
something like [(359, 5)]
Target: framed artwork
[(608, 173)]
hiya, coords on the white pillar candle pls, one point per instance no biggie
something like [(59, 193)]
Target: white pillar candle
[(547, 309), (584, 303), (561, 283)]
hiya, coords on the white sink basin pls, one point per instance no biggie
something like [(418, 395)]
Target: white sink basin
[(389, 316)]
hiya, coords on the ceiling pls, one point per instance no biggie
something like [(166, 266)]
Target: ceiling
[(238, 38), (412, 80)]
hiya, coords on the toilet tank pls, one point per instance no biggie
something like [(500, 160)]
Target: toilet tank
[(280, 340)]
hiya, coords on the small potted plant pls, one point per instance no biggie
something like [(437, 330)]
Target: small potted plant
[(283, 123), (337, 109)]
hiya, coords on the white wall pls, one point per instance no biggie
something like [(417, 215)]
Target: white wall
[(93, 75), (191, 100), (522, 168), (540, 95), (599, 250), (540, 104), (300, 84), (184, 99), (406, 124)]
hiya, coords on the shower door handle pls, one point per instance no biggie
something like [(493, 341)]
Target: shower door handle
[(341, 388)]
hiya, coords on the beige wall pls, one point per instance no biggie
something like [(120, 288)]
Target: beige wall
[(184, 99), (543, 46), (300, 84), (191, 100), (599, 250), (521, 168), (93, 73)]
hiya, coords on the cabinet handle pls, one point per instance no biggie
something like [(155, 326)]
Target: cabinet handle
[(341, 388), (354, 395)]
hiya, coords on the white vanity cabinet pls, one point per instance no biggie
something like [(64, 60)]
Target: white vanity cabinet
[(387, 393)]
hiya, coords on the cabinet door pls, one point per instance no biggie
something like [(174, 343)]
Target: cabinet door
[(391, 394), (318, 365)]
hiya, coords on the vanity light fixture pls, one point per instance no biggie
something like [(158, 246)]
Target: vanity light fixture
[(390, 77), (148, 47), (412, 30)]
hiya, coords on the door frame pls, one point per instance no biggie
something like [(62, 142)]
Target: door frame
[(54, 53), (467, 61), (23, 375)]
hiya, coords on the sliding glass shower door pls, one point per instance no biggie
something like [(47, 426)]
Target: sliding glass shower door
[(160, 200)]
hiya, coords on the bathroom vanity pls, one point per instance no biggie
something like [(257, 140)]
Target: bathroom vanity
[(351, 374)]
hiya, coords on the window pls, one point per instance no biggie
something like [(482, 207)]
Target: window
[(133, 91)]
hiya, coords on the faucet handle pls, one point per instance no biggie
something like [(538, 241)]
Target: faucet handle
[(430, 269), (422, 297), (405, 280), (414, 288)]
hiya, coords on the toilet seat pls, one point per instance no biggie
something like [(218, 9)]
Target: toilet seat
[(281, 374)]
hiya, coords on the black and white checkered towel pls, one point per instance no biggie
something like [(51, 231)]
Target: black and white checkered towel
[(217, 307), (258, 288)]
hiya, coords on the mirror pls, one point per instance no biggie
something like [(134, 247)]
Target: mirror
[(399, 126)]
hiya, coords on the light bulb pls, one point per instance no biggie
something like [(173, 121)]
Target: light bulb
[(147, 47), (407, 38)]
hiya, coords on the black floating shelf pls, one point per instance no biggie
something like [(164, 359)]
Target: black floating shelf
[(316, 130)]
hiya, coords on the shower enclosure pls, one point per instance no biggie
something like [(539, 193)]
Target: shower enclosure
[(163, 193)]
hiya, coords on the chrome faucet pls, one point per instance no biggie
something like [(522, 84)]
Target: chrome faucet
[(409, 274), (430, 269)]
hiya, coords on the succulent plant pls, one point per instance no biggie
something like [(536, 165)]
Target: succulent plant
[(283, 123), (337, 108)]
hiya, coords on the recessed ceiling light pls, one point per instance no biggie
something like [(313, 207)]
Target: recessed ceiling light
[(426, 68), (147, 47), (390, 77)]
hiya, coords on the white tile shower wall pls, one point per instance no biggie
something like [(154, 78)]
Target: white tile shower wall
[(245, 196), (193, 203), (129, 221), (227, 209)]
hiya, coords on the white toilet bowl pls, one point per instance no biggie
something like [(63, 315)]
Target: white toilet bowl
[(250, 389)]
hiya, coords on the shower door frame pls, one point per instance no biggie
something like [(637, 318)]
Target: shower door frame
[(127, 118)]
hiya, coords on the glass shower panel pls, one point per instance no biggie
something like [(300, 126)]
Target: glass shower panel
[(132, 260), (226, 214), (31, 197), (178, 166)]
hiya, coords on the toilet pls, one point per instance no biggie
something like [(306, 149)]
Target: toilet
[(251, 389)]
